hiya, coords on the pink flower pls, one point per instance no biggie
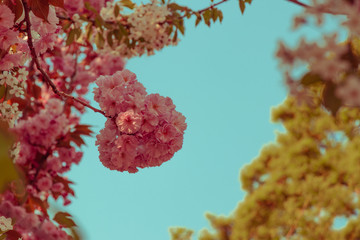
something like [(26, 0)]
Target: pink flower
[(44, 183), (73, 7), (6, 17), (107, 64), (147, 130), (7, 37), (57, 187), (166, 133), (129, 122), (155, 104), (349, 92)]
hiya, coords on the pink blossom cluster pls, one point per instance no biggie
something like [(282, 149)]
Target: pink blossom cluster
[(142, 130), (67, 63), (40, 132), (76, 7), (8, 37), (39, 150), (334, 62), (31, 225)]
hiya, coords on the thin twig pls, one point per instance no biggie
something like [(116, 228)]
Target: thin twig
[(294, 226), (211, 6), (44, 74), (299, 3)]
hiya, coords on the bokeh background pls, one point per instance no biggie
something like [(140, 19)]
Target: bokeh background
[(225, 80)]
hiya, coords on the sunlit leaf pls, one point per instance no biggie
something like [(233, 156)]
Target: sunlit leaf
[(16, 7), (57, 3), (8, 170), (64, 219), (40, 8), (330, 100), (242, 6), (127, 3), (310, 79)]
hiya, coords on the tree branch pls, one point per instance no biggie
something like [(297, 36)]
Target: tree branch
[(44, 74), (211, 6), (299, 3)]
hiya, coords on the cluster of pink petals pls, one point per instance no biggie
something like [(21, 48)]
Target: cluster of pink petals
[(9, 37), (31, 225), (48, 31), (142, 131), (78, 6), (107, 64), (40, 132)]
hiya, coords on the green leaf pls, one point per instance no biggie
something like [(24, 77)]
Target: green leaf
[(63, 218), (221, 17), (242, 6), (57, 3), (71, 37), (128, 3), (116, 10), (207, 15), (175, 37), (214, 14), (2, 91), (89, 30), (180, 25), (90, 8), (8, 170), (330, 100), (40, 8), (198, 20), (99, 40), (310, 79), (175, 7), (109, 38), (117, 34), (99, 22)]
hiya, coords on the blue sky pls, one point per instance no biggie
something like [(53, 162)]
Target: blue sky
[(225, 80)]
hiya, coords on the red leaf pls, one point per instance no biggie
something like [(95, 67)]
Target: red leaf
[(66, 183), (22, 102), (13, 235), (83, 129), (63, 219), (36, 204), (330, 100), (16, 7), (40, 8), (57, 3), (36, 91), (75, 137)]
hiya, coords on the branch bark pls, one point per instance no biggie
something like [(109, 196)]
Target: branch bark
[(47, 79)]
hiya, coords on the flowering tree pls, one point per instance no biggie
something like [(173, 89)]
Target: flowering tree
[(50, 51), (298, 186)]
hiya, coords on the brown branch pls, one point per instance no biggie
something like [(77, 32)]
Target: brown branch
[(299, 3), (44, 74), (211, 6), (294, 226)]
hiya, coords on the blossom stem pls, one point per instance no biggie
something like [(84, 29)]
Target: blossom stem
[(211, 6), (44, 74), (299, 3)]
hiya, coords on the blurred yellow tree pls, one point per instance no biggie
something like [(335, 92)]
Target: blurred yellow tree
[(298, 185)]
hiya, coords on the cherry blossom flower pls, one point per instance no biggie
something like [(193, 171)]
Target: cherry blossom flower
[(6, 17)]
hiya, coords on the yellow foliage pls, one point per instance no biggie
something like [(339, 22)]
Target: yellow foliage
[(8, 172), (298, 185)]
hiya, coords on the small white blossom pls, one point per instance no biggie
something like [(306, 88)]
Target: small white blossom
[(5, 224)]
